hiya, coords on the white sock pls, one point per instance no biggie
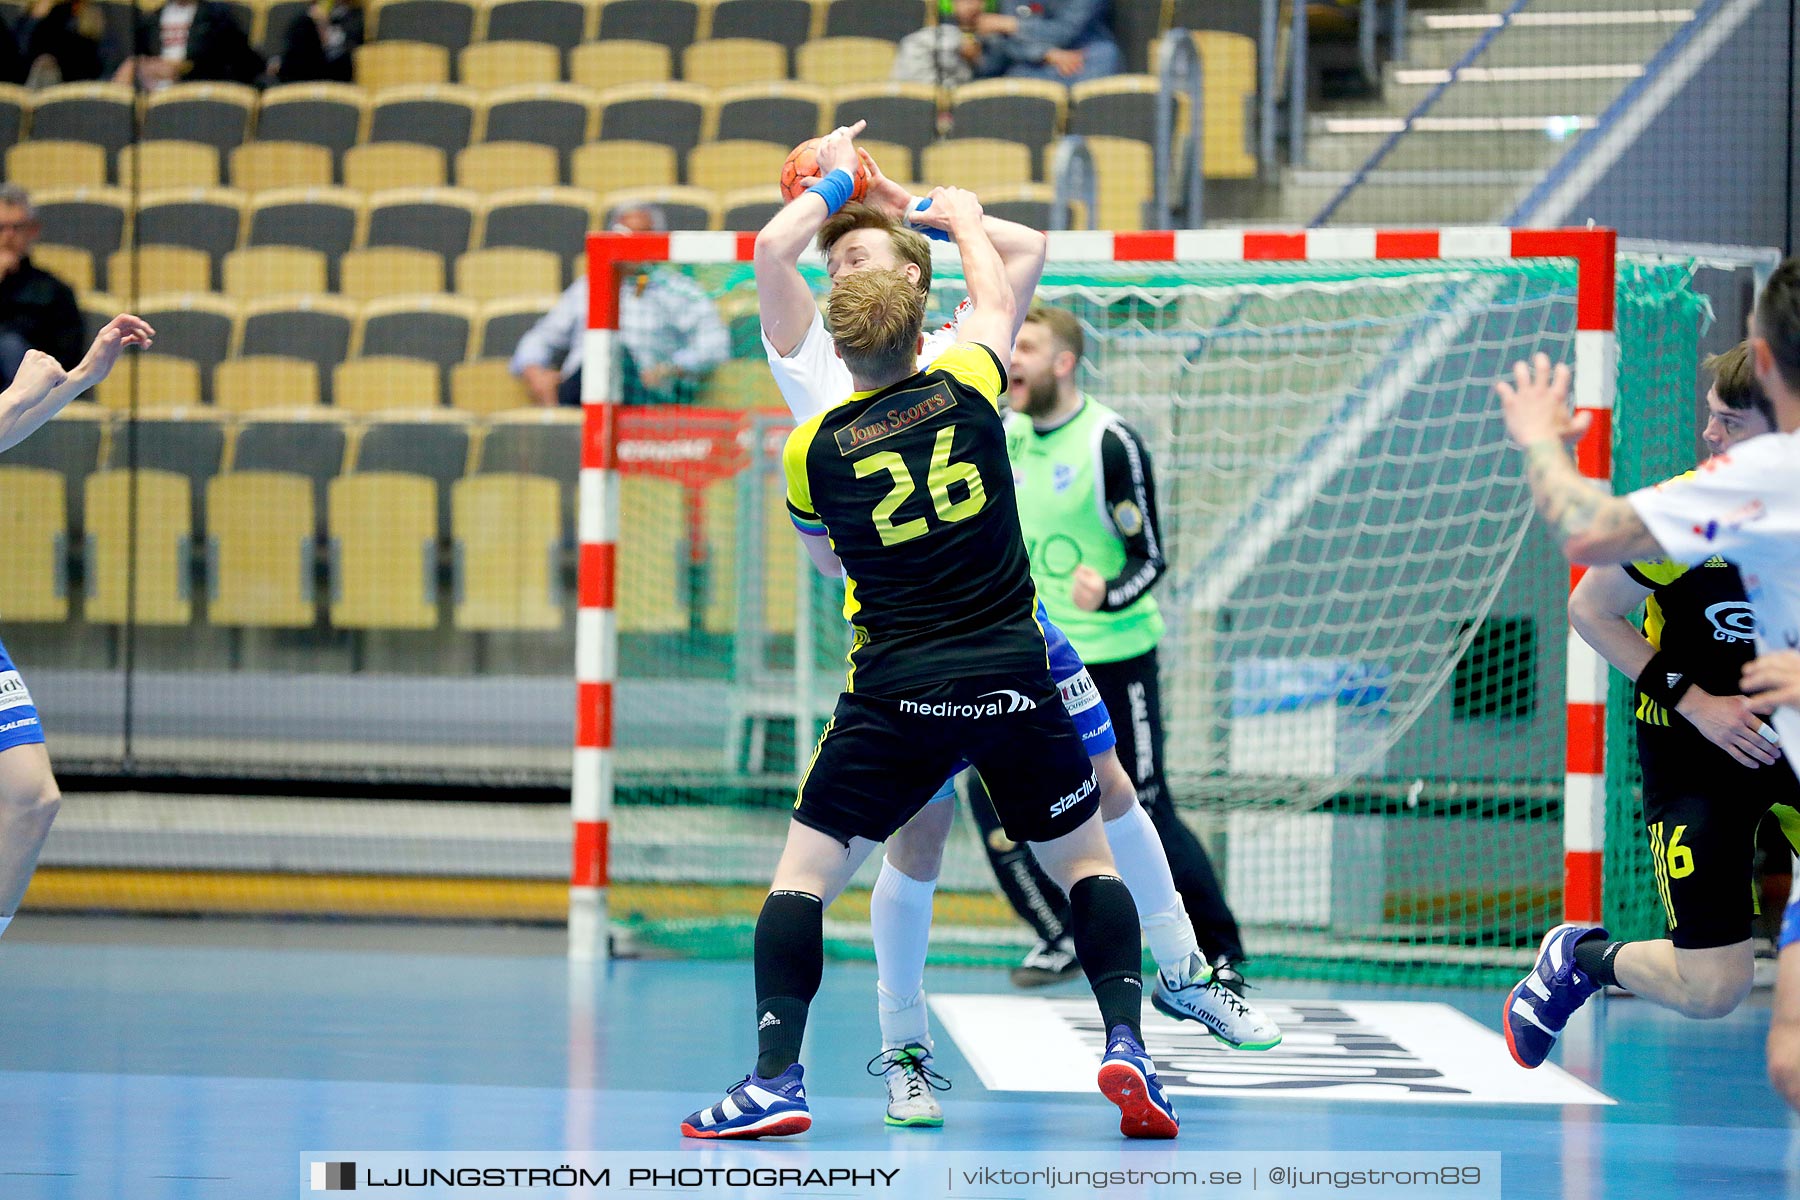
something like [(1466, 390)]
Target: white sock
[(4, 922), (1144, 867), (900, 919)]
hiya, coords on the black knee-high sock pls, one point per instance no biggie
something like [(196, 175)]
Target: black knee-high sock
[(1104, 923), (1032, 893), (790, 960)]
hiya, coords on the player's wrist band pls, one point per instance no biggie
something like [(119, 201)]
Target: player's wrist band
[(918, 205), (1664, 681), (835, 190)]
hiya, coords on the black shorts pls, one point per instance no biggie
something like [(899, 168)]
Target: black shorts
[(1701, 812), (882, 757)]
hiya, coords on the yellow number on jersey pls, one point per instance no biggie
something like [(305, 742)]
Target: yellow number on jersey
[(895, 466), (943, 473)]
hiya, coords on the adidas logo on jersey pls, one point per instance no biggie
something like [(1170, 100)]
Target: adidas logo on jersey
[(1672, 678), (768, 1019)]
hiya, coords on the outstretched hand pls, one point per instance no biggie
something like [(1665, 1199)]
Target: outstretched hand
[(1536, 403), (122, 331), (883, 193), (837, 149)]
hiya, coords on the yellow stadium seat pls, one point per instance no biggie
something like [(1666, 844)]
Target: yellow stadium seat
[(1228, 81), (151, 381), (259, 551), (71, 264), (168, 164), (486, 385), (389, 64), (41, 165), (490, 65), (159, 270), (138, 575), (507, 535), (259, 381), (977, 163), (264, 166), (608, 166), (507, 271), (497, 166), (34, 514), (380, 271), (620, 61), (1124, 175), (652, 533), (384, 381), (384, 530), (727, 62), (738, 163), (844, 61), (379, 166), (259, 271), (740, 383)]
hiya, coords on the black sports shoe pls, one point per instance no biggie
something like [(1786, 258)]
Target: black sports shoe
[(1047, 963)]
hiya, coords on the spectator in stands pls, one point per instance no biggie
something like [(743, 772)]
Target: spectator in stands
[(190, 40), (37, 310), (60, 41), (669, 331), (320, 42), (948, 53), (1066, 40)]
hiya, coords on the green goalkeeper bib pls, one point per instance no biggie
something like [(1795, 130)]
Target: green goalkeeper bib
[(1062, 509)]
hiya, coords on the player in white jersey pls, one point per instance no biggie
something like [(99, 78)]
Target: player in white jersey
[(1743, 506), (29, 797), (812, 378)]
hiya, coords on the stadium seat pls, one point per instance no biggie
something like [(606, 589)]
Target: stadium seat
[(256, 272), (844, 61), (312, 442), (209, 219), (506, 539), (496, 166), (601, 166), (558, 115), (324, 219), (159, 269), (324, 114), (34, 515), (69, 444), (560, 24), (72, 264), (138, 570), (381, 382), (537, 441), (508, 271), (101, 113), (788, 23), (1027, 111), (214, 114), (553, 219), (446, 23), (441, 220), (276, 20), (1115, 106), (147, 382), (266, 166), (383, 65), (484, 386), (384, 166), (1029, 204), (672, 23), (374, 272), (191, 325), (54, 163), (261, 381), (673, 114), (441, 115), (906, 113), (433, 443), (977, 163), (889, 20), (260, 546), (1228, 83), (728, 62), (503, 322), (1236, 16), (91, 218), (434, 328), (490, 65), (684, 207), (383, 530), (188, 442), (896, 161), (741, 383), (738, 163), (13, 102), (785, 113), (602, 65), (316, 328), (747, 210), (1124, 174), (647, 594)]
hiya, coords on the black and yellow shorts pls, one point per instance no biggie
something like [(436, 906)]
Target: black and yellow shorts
[(882, 757)]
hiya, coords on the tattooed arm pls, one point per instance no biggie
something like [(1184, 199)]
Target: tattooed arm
[(1591, 525)]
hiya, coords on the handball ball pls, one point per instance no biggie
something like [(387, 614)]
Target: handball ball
[(803, 164)]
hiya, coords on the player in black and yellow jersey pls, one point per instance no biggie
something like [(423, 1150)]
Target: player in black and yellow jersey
[(1711, 766), (905, 489)]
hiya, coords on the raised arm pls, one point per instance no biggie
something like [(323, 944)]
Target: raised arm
[(783, 300), (992, 319), (41, 388)]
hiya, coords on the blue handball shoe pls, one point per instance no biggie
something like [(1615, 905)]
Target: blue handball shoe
[(755, 1108), (1542, 1003), (1128, 1079)]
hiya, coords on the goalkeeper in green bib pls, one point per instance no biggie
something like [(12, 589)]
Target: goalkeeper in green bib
[(1087, 504)]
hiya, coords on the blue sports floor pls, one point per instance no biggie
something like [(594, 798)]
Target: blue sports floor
[(169, 1060)]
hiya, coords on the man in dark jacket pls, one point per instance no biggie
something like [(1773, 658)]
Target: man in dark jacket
[(189, 41), (37, 310)]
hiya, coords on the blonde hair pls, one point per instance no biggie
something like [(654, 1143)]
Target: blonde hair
[(875, 318), (909, 245)]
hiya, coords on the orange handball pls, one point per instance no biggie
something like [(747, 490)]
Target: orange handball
[(803, 164)]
